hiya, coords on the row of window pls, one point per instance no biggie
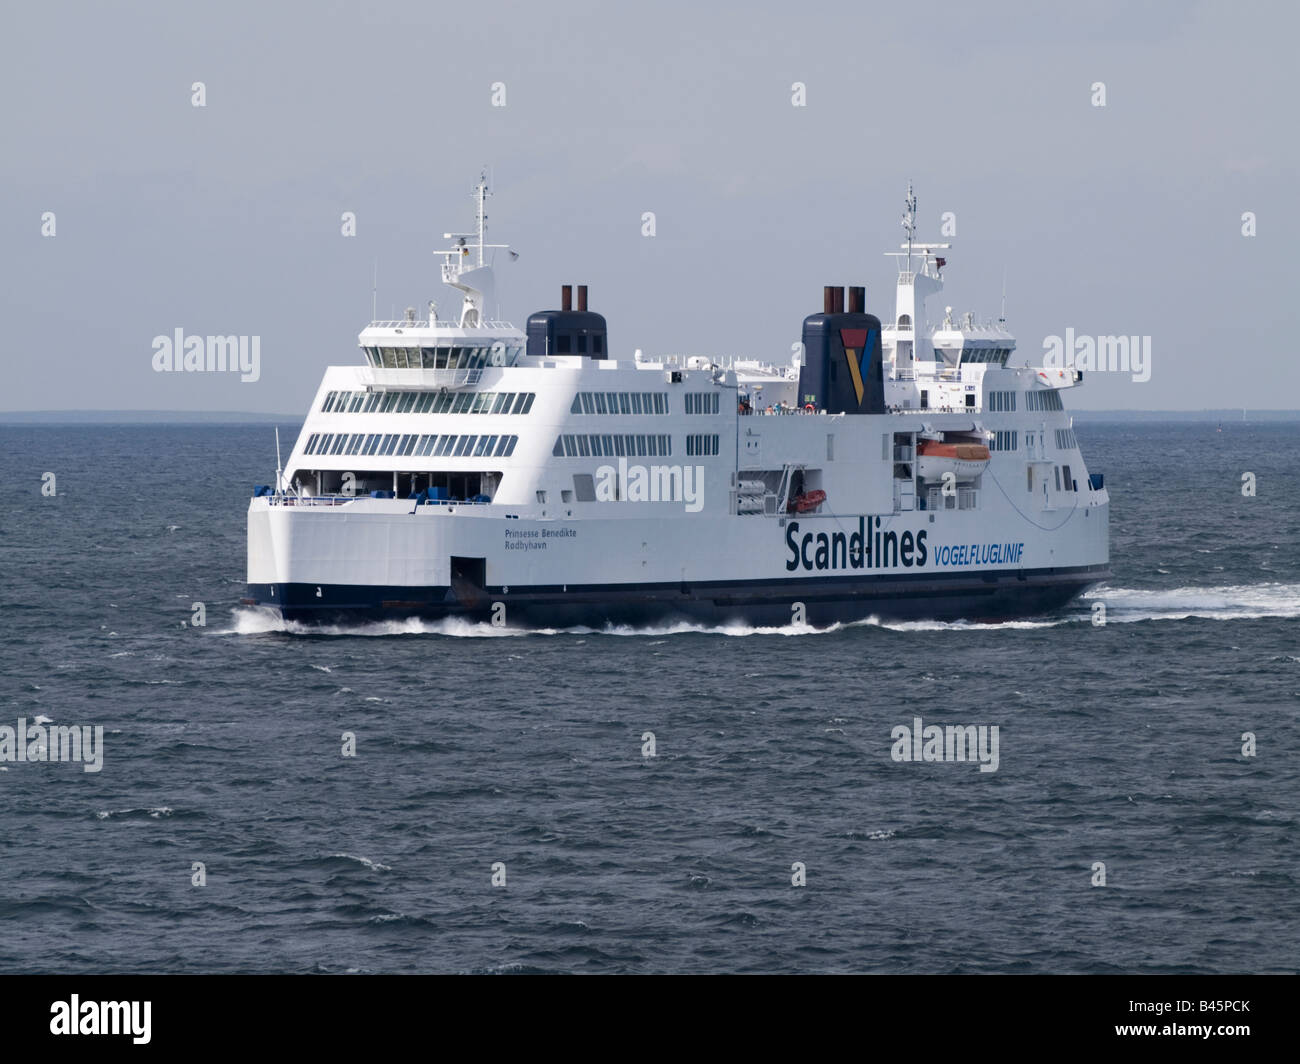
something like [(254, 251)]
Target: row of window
[(1063, 474), (428, 402), (1009, 440), (620, 403), (606, 446), (411, 444), (1036, 400), (473, 357), (700, 444), (1042, 401), (701, 402), (985, 354)]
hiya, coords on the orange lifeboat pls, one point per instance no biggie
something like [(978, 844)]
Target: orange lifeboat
[(935, 459), (809, 500), (971, 452)]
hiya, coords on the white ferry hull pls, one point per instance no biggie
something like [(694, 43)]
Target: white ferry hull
[(387, 558)]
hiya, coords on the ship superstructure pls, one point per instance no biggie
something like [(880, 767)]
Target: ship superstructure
[(467, 468)]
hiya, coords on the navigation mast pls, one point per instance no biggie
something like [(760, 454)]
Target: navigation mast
[(481, 194), (474, 279), (909, 222)]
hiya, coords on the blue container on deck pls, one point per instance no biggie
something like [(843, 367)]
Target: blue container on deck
[(262, 489), (1097, 480), (437, 494), (382, 495)]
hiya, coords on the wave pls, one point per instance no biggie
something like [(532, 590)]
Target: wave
[(135, 813), (1230, 603), (366, 862), (1123, 606), (255, 621)]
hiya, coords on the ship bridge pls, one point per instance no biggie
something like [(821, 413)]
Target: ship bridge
[(952, 366)]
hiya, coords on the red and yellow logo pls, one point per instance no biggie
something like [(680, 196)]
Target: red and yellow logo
[(858, 345)]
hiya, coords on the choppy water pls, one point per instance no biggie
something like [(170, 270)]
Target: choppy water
[(1119, 744)]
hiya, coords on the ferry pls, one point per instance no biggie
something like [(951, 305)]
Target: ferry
[(545, 477)]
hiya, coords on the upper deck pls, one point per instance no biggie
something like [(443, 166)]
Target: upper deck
[(472, 410)]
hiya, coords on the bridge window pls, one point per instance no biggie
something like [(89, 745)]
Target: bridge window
[(1039, 400)]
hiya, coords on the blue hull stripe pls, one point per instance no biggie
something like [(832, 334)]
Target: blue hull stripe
[(988, 595)]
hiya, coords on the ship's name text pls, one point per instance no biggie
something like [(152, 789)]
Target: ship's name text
[(534, 538), (871, 547), (863, 549)]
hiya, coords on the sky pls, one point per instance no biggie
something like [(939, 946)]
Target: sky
[(226, 219)]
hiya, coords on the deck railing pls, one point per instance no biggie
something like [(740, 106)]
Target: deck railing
[(437, 324), (342, 500), (420, 378)]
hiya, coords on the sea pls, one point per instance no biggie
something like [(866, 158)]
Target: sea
[(450, 797)]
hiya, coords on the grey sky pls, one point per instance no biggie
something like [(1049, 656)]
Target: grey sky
[(226, 219)]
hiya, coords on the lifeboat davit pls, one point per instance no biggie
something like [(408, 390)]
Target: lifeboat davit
[(808, 501), (966, 461)]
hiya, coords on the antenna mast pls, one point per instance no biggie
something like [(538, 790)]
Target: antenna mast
[(481, 193), (909, 223), (279, 466)]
